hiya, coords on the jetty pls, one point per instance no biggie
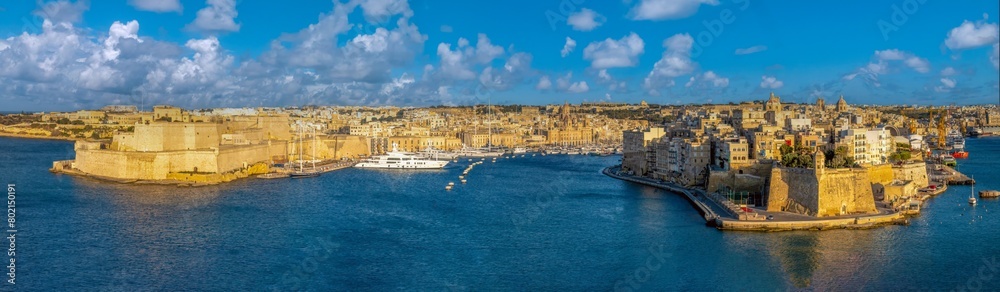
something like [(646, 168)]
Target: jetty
[(948, 175)]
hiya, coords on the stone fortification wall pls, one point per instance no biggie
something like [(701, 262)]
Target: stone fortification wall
[(158, 165), (847, 191), (793, 190), (916, 172)]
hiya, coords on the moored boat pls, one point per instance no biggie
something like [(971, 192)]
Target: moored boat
[(401, 160)]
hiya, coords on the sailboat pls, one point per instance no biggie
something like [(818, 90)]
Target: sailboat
[(301, 173), (972, 199)]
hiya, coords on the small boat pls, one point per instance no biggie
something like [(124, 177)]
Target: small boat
[(447, 188), (304, 173), (989, 194), (972, 200), (960, 154), (463, 181)]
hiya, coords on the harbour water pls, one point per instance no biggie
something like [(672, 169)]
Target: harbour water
[(534, 223)]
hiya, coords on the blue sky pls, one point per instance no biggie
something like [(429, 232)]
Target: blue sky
[(64, 55)]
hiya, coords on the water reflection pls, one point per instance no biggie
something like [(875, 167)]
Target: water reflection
[(161, 229)]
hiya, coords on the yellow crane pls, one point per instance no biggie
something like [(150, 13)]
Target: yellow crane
[(941, 131)]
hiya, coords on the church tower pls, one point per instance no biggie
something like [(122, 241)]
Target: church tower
[(773, 103), (841, 104), (820, 104)]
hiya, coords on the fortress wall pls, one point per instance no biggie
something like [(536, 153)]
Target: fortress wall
[(881, 174), (124, 165), (231, 159), (846, 191), (916, 172), (790, 187), (204, 161)]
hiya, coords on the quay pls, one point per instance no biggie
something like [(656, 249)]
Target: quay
[(948, 175), (723, 217)]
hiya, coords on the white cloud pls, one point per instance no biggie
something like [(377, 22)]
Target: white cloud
[(218, 16), (579, 87), (611, 53), (972, 35), (157, 5), (380, 11), (62, 10), (751, 50), (676, 61), (544, 83), (946, 85), (585, 20), (882, 63), (770, 82), (948, 71), (707, 79), (948, 82), (603, 76), (667, 9), (995, 56), (456, 64), (568, 47), (918, 64)]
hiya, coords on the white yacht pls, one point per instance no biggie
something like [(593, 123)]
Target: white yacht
[(401, 160), (437, 154), (473, 152)]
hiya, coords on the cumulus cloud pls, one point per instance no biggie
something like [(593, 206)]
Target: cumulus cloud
[(883, 63), (456, 63), (707, 79), (568, 47), (611, 53), (667, 9), (751, 50), (218, 16), (544, 83), (770, 82), (676, 61), (379, 11), (157, 5), (603, 76), (585, 20), (972, 35), (948, 71), (62, 10), (327, 62), (578, 87)]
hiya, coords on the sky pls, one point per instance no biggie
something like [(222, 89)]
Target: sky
[(68, 55)]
